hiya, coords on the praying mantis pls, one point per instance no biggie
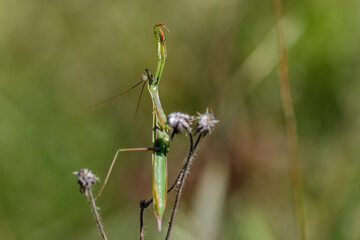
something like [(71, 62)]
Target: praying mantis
[(160, 130), (175, 123)]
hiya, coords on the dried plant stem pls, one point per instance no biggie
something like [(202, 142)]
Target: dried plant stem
[(96, 214), (290, 123), (143, 205), (182, 179)]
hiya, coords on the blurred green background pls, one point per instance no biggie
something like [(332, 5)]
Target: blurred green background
[(57, 57)]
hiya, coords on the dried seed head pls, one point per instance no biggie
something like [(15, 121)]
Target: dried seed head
[(205, 122), (86, 179), (178, 122)]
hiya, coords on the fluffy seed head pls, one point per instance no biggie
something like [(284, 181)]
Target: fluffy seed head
[(86, 179), (205, 122), (178, 122)]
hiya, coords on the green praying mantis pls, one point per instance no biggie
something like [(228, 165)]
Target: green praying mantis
[(162, 127), (160, 130)]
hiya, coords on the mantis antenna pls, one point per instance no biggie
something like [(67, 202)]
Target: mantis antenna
[(112, 98)]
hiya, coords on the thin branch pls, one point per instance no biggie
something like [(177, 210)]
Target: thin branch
[(182, 182), (177, 181), (96, 214), (143, 205)]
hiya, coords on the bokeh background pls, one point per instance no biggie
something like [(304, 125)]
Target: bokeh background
[(57, 57)]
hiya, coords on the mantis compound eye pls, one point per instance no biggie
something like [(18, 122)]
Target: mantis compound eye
[(144, 78)]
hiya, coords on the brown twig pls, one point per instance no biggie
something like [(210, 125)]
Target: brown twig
[(143, 205)]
